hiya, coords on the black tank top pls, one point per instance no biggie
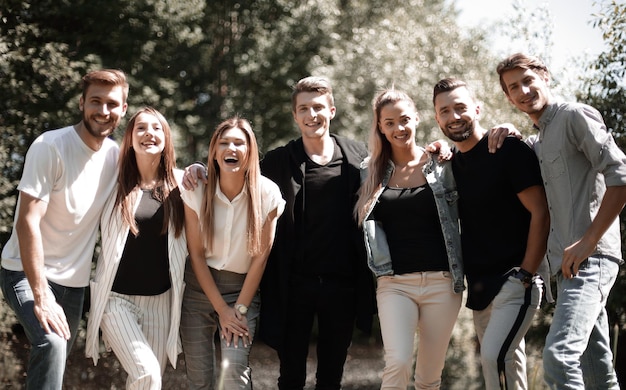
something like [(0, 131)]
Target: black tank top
[(411, 223), (144, 267)]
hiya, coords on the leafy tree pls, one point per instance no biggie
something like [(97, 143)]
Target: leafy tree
[(605, 88), (272, 50), (408, 45), (34, 71)]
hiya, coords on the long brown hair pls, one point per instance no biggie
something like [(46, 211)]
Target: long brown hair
[(380, 152), (252, 182), (166, 189)]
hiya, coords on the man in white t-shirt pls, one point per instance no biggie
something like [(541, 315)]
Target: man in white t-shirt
[(68, 175)]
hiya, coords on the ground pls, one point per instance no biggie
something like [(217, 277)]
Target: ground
[(362, 371)]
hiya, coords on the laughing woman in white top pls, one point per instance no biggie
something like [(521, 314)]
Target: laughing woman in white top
[(136, 293), (230, 225)]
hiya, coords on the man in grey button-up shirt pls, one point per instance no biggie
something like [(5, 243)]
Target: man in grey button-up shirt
[(584, 175)]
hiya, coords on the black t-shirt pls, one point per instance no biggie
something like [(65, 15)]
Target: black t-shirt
[(411, 223), (144, 266), (494, 223), (327, 247)]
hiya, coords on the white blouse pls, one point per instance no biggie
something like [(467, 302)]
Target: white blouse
[(230, 244)]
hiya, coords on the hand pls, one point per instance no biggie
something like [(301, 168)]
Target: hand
[(574, 255), (498, 134), (192, 173), (234, 326), (52, 317), (441, 148), (524, 276), (245, 336)]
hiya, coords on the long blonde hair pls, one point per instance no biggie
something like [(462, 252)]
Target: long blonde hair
[(252, 182), (380, 152)]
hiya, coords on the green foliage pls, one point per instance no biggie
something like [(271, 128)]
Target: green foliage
[(605, 88), (39, 78)]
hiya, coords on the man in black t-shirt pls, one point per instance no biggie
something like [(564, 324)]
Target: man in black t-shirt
[(502, 249)]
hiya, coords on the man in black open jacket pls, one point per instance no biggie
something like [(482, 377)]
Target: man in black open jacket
[(317, 267)]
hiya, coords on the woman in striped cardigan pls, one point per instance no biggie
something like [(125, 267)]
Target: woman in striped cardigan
[(136, 293)]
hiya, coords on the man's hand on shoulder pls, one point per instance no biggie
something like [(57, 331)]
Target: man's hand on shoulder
[(193, 173), (441, 148), (498, 134)]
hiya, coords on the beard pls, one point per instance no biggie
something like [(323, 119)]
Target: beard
[(103, 132), (460, 137)]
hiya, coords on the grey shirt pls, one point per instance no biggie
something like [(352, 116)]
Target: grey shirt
[(578, 159)]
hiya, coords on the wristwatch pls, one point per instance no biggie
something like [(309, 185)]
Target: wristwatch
[(241, 308), (524, 276)]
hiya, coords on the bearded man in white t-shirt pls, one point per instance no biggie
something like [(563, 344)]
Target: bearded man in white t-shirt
[(69, 173)]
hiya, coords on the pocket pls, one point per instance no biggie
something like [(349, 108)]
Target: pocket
[(516, 281), (21, 289), (555, 166)]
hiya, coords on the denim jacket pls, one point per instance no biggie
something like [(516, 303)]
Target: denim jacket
[(441, 181)]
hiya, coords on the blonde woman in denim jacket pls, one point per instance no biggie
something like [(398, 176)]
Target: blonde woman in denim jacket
[(407, 208)]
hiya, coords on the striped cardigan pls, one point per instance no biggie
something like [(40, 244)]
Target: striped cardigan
[(114, 234)]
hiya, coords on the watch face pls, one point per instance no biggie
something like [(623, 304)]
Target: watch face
[(242, 309)]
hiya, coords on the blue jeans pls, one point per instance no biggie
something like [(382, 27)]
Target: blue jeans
[(199, 324), (49, 351), (577, 354)]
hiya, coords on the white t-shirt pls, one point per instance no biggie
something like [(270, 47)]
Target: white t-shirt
[(230, 244), (75, 181)]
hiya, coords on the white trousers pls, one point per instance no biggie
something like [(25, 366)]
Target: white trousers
[(136, 328), (422, 302), (501, 328)]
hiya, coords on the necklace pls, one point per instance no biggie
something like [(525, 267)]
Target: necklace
[(148, 185)]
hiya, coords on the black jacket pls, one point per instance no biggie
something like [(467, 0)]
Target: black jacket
[(285, 166)]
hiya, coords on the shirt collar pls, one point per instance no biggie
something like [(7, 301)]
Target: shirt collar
[(220, 195), (548, 115)]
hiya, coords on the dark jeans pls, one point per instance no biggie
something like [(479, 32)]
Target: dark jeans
[(333, 302), (49, 351)]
